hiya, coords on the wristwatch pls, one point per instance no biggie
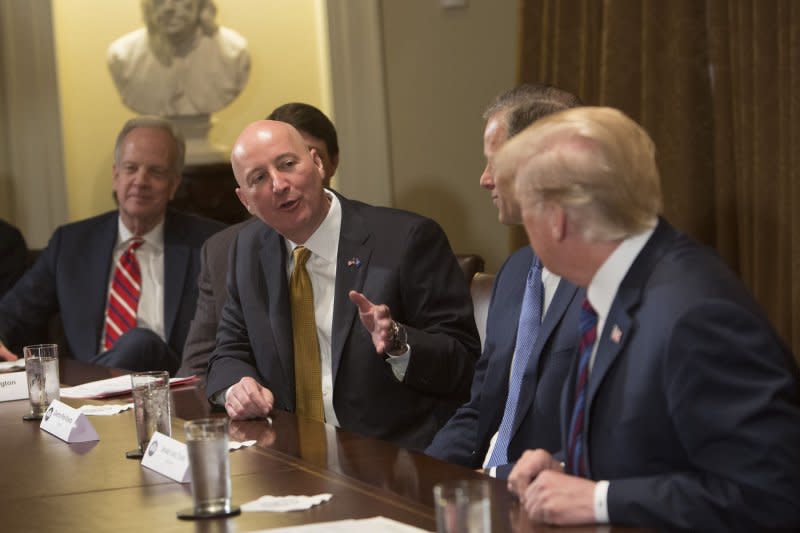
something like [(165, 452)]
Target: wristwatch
[(398, 339)]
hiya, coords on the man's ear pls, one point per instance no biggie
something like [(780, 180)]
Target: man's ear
[(317, 161), (240, 196)]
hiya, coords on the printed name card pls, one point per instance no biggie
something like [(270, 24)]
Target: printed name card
[(13, 386), (68, 424), (168, 457)]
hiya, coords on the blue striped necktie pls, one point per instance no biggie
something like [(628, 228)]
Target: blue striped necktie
[(576, 457), (530, 319)]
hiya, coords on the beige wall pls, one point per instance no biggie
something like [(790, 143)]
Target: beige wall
[(288, 46), (443, 67)]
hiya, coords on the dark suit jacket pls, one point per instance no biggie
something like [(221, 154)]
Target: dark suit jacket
[(212, 293), (466, 436), (404, 262), (13, 256), (71, 277), (693, 409)]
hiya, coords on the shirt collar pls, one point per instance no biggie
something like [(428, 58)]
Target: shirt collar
[(606, 281), (324, 242), (154, 237)]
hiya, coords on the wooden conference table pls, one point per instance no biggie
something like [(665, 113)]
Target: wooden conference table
[(49, 485)]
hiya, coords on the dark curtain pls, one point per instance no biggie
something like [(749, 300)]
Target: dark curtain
[(716, 83)]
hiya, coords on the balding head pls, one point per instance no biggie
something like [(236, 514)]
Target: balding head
[(280, 179)]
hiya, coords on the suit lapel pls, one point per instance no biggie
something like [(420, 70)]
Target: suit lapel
[(176, 260), (272, 257), (558, 306), (352, 263), (96, 279), (619, 326)]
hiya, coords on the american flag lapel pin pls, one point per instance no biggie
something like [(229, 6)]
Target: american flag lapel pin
[(616, 334), (354, 262)]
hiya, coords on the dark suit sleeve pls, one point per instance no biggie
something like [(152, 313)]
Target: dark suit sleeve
[(201, 339), (437, 309), (13, 257), (457, 442), (232, 358), (735, 409), (27, 307)]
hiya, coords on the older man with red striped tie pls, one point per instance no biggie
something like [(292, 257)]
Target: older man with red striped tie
[(124, 282)]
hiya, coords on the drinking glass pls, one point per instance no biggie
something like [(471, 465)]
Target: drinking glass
[(207, 443), (151, 407), (463, 507), (41, 369)]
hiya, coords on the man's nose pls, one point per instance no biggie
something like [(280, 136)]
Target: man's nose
[(279, 183), (487, 180)]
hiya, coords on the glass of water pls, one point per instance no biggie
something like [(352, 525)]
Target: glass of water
[(463, 506), (207, 443), (41, 368), (151, 407)]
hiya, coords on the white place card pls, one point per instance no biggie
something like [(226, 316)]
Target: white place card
[(67, 423), (13, 386), (168, 457)]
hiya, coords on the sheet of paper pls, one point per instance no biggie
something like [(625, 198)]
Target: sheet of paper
[(117, 386), (12, 366), (283, 504), (364, 525), (105, 410), (235, 444)]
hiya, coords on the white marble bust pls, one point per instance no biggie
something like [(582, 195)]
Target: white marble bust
[(181, 63)]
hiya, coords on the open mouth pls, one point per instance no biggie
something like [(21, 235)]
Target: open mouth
[(288, 205)]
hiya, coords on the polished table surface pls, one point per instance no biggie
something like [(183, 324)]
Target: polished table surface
[(49, 485)]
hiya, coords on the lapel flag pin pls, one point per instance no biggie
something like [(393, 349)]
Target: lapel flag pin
[(616, 334), (354, 262)]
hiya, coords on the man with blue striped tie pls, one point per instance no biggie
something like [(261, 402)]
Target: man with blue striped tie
[(531, 328)]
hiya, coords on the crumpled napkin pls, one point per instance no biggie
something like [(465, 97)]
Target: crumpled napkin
[(235, 444), (282, 504), (107, 409)]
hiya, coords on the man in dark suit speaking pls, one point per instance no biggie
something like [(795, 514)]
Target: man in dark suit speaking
[(125, 282), (289, 337), (319, 133), (681, 410)]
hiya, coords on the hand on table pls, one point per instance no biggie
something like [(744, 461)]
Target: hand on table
[(548, 494), (6, 354), (248, 399)]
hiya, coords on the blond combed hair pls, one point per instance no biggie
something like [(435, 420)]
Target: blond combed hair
[(594, 162)]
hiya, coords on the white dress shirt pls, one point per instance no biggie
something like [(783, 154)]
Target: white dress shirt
[(321, 267), (550, 282), (150, 314), (601, 293)]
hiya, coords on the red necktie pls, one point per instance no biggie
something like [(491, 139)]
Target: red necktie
[(123, 297)]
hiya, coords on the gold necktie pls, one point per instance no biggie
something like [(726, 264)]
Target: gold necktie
[(307, 373)]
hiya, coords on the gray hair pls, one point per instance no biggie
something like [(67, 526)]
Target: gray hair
[(528, 102), (147, 121)]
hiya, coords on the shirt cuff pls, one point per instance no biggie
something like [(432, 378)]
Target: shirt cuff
[(601, 502), (399, 363), (220, 397)]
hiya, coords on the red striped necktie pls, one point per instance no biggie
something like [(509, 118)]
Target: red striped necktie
[(123, 297)]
